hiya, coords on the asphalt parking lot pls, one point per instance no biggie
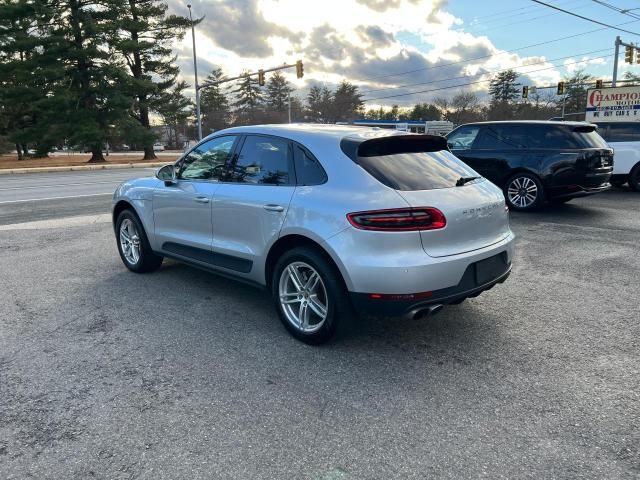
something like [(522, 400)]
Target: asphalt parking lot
[(180, 374)]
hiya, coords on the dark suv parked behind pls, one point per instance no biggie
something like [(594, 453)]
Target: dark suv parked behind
[(534, 162)]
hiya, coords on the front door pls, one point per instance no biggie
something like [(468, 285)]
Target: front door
[(250, 208), (182, 210)]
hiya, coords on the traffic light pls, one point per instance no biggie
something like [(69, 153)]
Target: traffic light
[(560, 88), (598, 84), (525, 91), (629, 54), (299, 69), (261, 78)]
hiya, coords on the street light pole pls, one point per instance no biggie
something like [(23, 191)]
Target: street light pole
[(195, 72), (614, 79)]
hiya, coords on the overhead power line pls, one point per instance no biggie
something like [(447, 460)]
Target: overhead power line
[(475, 82), (584, 18), (488, 73), (617, 9), (483, 57)]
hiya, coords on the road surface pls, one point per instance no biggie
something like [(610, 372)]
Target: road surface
[(40, 196), (181, 374)]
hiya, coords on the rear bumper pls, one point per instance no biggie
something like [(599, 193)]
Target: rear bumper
[(472, 284)]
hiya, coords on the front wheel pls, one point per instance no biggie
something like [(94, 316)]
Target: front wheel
[(133, 245), (309, 295), (524, 192)]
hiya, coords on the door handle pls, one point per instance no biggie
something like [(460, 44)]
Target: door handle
[(201, 199), (274, 208)]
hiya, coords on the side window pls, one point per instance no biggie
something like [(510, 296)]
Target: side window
[(308, 169), (504, 137), (623, 132), (207, 161), (463, 138), (263, 160)]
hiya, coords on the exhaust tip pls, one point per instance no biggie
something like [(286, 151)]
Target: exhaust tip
[(426, 311)]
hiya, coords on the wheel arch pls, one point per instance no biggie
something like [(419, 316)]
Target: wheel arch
[(293, 240), (517, 170)]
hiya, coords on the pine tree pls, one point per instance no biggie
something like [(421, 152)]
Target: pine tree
[(278, 92), (92, 98), (214, 104), (27, 74), (504, 87), (249, 101), (175, 109), (576, 94), (144, 38), (347, 102)]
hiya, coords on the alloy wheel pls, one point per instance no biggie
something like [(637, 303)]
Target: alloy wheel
[(130, 241), (522, 192), (303, 297)]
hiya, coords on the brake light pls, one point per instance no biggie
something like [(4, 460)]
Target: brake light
[(399, 219)]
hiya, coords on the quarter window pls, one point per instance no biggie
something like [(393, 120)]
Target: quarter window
[(263, 160), (308, 169), (208, 160)]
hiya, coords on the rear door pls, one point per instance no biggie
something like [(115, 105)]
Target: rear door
[(250, 207)]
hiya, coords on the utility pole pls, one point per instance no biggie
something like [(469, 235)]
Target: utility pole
[(615, 62), (289, 107), (195, 72)]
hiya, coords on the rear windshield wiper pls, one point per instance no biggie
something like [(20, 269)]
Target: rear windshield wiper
[(462, 180)]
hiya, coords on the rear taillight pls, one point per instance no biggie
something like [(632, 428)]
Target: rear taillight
[(399, 219)]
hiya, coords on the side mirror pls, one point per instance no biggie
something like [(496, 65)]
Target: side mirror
[(167, 174)]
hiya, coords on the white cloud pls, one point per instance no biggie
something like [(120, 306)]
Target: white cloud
[(364, 41)]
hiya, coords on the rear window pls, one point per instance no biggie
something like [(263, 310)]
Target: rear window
[(411, 169), (572, 137)]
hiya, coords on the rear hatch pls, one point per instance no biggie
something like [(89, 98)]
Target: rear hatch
[(426, 174), (596, 159)]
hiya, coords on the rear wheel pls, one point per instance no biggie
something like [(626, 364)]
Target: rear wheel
[(133, 245), (309, 295), (634, 178), (524, 192)]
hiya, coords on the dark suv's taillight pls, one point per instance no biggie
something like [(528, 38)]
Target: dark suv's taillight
[(399, 219)]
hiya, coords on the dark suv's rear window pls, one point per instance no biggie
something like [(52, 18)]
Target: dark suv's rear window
[(405, 164)]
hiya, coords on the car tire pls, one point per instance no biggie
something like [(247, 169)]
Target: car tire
[(524, 192), (634, 178), (133, 244), (309, 295)]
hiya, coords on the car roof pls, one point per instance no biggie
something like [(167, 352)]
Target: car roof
[(313, 131), (529, 122)]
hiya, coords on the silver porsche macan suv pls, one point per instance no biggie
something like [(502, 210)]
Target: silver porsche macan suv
[(329, 219)]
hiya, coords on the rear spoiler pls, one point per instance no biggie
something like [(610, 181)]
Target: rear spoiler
[(393, 144)]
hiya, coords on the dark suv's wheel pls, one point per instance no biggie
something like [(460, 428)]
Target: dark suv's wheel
[(524, 192), (133, 245), (309, 295), (634, 178)]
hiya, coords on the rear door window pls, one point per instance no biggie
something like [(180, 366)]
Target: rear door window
[(416, 171), (263, 160), (504, 137)]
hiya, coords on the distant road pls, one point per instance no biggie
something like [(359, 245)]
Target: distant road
[(40, 196)]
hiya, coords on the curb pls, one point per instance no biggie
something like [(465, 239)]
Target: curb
[(74, 168)]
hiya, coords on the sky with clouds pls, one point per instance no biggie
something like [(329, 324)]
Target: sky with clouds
[(392, 48)]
